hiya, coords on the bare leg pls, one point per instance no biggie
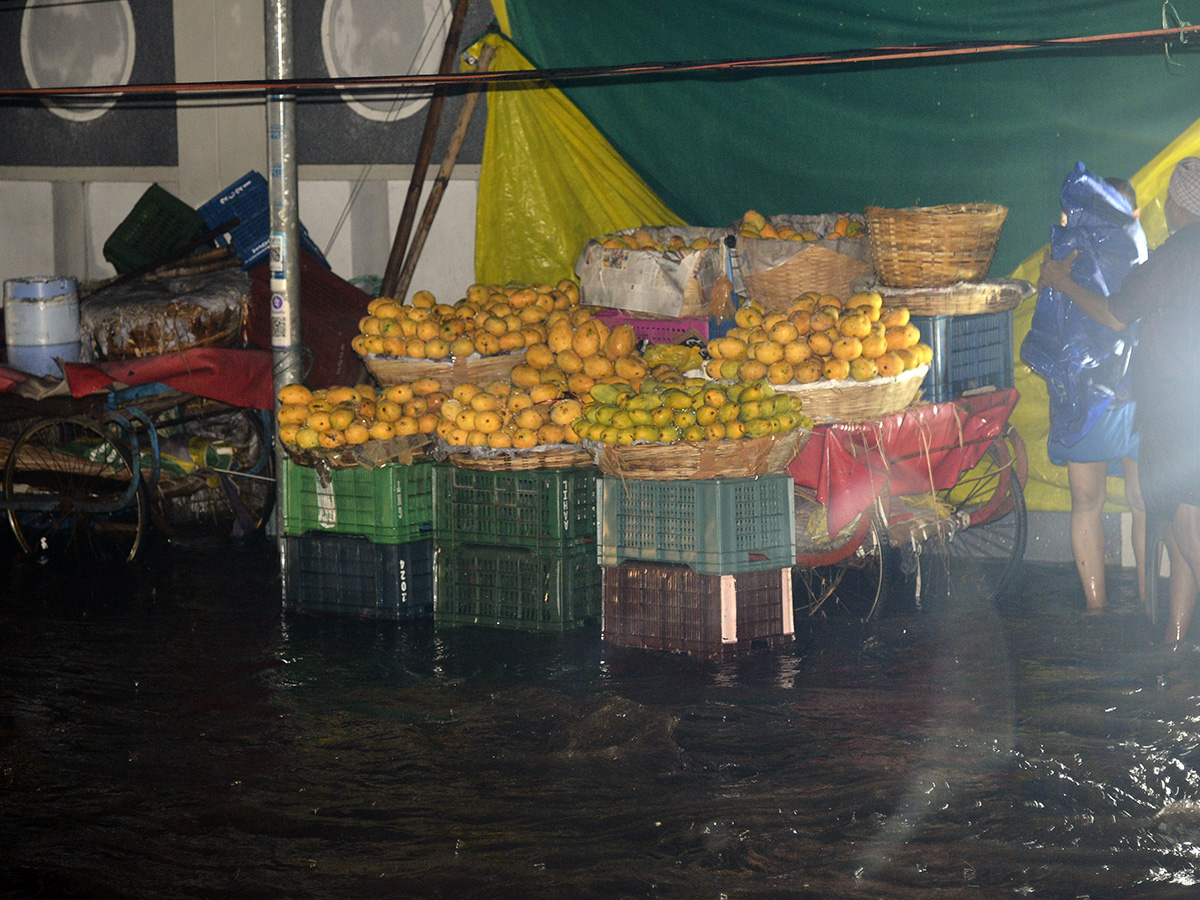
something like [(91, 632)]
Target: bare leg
[(1183, 544), (1089, 484), (1137, 509)]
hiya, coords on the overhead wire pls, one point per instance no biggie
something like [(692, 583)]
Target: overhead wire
[(441, 25), (877, 55)]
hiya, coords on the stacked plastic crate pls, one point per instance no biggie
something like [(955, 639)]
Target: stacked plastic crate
[(516, 549), (701, 567), (359, 541)]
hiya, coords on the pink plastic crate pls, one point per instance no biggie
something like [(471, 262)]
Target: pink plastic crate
[(664, 331)]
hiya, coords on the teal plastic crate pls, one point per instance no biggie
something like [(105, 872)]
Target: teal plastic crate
[(509, 587), (344, 574), (969, 351), (391, 504), (717, 526), (540, 509)]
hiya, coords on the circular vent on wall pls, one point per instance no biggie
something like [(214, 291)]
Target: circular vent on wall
[(65, 43), (384, 37)]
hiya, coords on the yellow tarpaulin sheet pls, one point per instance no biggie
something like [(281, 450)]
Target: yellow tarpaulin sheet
[(1047, 488), (549, 181)]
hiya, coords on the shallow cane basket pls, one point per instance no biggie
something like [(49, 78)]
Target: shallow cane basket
[(687, 460), (963, 299), (857, 401), (933, 246), (552, 456), (390, 370)]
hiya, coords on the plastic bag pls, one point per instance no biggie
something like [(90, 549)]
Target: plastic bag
[(1084, 363)]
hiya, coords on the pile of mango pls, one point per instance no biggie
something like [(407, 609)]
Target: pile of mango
[(489, 320), (641, 239), (755, 225), (693, 409), (819, 337), (341, 416)]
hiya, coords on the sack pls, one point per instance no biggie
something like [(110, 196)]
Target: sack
[(1084, 363)]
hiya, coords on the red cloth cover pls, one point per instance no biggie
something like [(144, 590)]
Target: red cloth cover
[(237, 377), (911, 452)]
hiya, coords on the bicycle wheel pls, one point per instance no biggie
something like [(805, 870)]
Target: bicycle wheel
[(233, 489), (851, 587), (963, 557), (71, 490)]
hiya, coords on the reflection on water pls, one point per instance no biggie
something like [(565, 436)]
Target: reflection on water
[(177, 734)]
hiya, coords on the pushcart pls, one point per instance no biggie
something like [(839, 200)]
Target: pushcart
[(166, 440), (936, 490)]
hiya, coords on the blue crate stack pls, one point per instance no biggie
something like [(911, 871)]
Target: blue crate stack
[(969, 351)]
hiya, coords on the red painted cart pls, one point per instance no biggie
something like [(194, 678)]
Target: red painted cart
[(937, 489), (84, 471)]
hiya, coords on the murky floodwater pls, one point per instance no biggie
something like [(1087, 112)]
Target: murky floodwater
[(178, 734)]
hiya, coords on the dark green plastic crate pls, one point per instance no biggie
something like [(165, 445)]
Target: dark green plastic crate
[(541, 509), (717, 526), (391, 504), (158, 225), (969, 351), (344, 574), (507, 587)]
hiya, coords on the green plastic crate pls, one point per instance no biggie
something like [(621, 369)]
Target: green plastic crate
[(391, 504), (508, 587), (158, 225), (344, 574), (718, 526), (540, 509)]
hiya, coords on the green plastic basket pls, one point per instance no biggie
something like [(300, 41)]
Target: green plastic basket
[(508, 587), (158, 225), (541, 509), (391, 504)]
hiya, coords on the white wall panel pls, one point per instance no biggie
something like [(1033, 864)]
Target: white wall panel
[(26, 230)]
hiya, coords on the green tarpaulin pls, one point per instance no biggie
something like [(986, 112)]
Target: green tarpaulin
[(1003, 128)]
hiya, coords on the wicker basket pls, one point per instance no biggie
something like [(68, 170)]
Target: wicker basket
[(857, 401), (814, 268), (389, 370), (934, 246), (555, 456), (689, 460), (962, 299)]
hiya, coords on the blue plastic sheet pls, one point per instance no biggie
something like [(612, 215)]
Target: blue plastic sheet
[(1084, 363)]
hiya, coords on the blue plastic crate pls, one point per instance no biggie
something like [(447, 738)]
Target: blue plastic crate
[(968, 352), (248, 199), (351, 576), (718, 526), (515, 588)]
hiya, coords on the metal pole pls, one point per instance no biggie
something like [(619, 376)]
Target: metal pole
[(285, 237)]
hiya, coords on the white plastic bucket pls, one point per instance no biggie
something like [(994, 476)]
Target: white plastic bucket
[(41, 323)]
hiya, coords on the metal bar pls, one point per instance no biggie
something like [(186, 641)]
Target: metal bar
[(443, 177), (424, 154)]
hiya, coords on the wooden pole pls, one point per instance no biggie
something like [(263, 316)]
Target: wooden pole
[(424, 154), (443, 176)]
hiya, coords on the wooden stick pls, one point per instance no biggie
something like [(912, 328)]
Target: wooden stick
[(443, 176), (424, 153)]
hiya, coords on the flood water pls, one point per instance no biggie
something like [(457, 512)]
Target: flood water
[(177, 733)]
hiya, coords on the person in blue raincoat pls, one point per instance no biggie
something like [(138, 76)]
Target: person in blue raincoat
[(1086, 367)]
